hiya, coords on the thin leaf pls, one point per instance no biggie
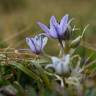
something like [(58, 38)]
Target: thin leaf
[(26, 71)]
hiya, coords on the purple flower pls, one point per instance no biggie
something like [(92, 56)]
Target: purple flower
[(56, 30), (37, 43)]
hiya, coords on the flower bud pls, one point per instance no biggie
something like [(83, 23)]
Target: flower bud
[(75, 43)]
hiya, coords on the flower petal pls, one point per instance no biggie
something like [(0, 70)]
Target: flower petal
[(53, 26), (53, 32), (64, 23), (49, 66), (38, 42), (43, 27), (55, 60), (55, 29), (64, 20), (41, 41), (53, 21), (44, 40), (57, 64), (31, 44)]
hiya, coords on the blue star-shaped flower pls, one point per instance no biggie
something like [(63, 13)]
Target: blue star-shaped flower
[(56, 30), (37, 43)]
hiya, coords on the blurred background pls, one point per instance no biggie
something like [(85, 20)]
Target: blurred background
[(18, 18)]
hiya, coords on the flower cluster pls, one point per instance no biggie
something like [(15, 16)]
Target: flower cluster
[(62, 32), (58, 31)]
